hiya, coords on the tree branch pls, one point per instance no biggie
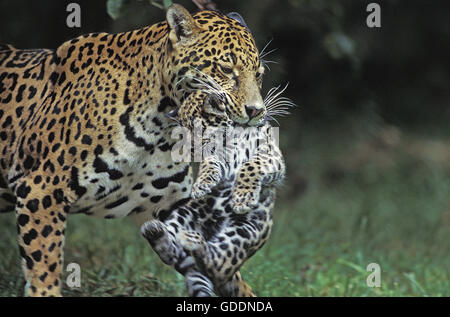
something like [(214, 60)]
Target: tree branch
[(205, 4)]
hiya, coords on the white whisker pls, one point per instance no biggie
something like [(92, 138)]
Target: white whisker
[(265, 47), (270, 93), (261, 56), (273, 93), (211, 85), (273, 119), (277, 105), (281, 104)]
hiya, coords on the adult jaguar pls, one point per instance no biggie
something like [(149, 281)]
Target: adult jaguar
[(83, 127)]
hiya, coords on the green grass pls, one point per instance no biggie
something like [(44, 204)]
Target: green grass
[(353, 196)]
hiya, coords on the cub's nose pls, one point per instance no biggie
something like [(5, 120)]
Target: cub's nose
[(253, 112)]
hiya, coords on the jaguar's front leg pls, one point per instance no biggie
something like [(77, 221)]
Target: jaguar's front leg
[(41, 221)]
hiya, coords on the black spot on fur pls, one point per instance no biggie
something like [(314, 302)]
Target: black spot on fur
[(46, 201), (23, 190), (29, 236), (86, 139), (156, 199), (33, 205), (162, 182), (46, 231), (23, 219), (37, 255), (52, 267), (101, 166), (117, 203), (74, 184)]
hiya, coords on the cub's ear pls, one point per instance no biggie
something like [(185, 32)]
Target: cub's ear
[(181, 23)]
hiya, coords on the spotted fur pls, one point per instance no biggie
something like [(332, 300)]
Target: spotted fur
[(205, 239), (83, 128)]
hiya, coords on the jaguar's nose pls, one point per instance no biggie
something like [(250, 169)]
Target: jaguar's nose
[(253, 112)]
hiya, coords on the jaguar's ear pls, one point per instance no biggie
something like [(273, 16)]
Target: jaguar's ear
[(236, 16), (181, 23)]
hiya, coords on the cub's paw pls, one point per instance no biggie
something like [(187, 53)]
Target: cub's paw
[(161, 241), (192, 241), (267, 197), (153, 230), (200, 189), (244, 200)]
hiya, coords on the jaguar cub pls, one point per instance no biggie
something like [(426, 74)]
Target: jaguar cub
[(210, 237)]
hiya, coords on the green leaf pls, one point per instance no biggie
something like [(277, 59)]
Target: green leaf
[(115, 8), (167, 4), (412, 278), (161, 4), (354, 266)]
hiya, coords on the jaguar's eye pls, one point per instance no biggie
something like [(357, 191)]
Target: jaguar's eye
[(259, 78), (226, 70)]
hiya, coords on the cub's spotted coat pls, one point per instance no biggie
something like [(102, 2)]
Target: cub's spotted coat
[(205, 239), (83, 128)]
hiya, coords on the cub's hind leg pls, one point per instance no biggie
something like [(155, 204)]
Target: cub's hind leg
[(216, 266), (41, 220), (198, 284)]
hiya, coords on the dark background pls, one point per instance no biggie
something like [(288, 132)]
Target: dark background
[(367, 150)]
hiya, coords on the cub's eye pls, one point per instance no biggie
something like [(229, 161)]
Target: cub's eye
[(226, 70)]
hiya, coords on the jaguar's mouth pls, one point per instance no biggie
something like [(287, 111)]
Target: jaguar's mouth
[(250, 122)]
